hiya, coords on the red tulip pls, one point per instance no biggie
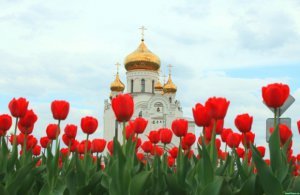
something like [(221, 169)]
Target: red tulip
[(189, 153), (71, 131), (110, 147), (189, 139), (154, 137), (218, 143), (233, 140), (36, 150), (219, 126), (298, 125), (147, 146), (5, 122), (201, 115), (217, 107), (240, 152), (243, 122), (139, 125), (174, 152), (157, 150), (140, 156), (249, 138), (180, 127), (45, 141), (67, 141), (18, 107), (51, 131), (274, 95), (81, 146), (89, 124), (98, 145), (26, 123), (31, 142), (171, 161), (138, 142), (225, 133), (284, 132), (129, 130), (60, 109), (261, 150), (123, 107), (165, 135), (64, 152)]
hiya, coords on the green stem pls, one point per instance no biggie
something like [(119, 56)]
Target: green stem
[(15, 132), (124, 136), (212, 142), (56, 137), (116, 129)]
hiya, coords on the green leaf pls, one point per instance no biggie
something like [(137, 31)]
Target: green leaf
[(268, 181), (274, 147), (139, 182), (206, 171), (214, 188)]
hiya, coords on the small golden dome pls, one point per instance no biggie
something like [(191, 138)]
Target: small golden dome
[(170, 87), (142, 58), (117, 85), (158, 86)]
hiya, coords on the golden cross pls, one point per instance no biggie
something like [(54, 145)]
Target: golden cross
[(170, 67), (117, 65), (143, 28)]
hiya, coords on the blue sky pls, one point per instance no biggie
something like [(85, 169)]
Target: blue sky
[(67, 50)]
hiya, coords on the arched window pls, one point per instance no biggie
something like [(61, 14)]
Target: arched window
[(170, 99), (143, 85), (140, 114), (131, 86), (152, 86)]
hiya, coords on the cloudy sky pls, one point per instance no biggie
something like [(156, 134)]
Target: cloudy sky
[(67, 50)]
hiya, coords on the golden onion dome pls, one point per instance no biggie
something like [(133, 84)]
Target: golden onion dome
[(158, 86), (117, 85), (170, 87), (142, 58)]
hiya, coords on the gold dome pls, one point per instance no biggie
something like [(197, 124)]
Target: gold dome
[(170, 87), (158, 86), (142, 58), (117, 85)]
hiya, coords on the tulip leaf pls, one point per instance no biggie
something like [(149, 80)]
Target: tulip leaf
[(268, 181), (139, 182), (206, 171), (214, 188), (274, 146)]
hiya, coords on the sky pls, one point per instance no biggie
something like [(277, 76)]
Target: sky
[(67, 50)]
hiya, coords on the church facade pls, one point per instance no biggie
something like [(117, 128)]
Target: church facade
[(153, 100)]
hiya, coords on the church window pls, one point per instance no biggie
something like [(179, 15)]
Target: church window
[(140, 114), (131, 86), (170, 99), (143, 85), (158, 110)]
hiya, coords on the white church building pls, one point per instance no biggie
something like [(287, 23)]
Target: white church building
[(153, 101)]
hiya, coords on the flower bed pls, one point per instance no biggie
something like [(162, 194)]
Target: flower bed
[(151, 167)]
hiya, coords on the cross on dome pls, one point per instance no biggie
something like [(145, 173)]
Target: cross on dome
[(143, 28)]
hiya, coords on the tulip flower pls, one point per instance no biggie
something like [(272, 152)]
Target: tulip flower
[(147, 146), (284, 132), (123, 107), (71, 131), (110, 147), (298, 125), (139, 125), (45, 141), (201, 115), (5, 122), (180, 127), (233, 140), (189, 139), (217, 107), (171, 161), (274, 95), (261, 150), (27, 122), (154, 137), (60, 109), (89, 124), (165, 135), (243, 122), (225, 133), (98, 145), (18, 107), (240, 152), (174, 152), (36, 150), (52, 131)]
